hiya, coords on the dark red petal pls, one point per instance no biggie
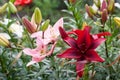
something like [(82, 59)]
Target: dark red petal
[(80, 68), (79, 32), (85, 37), (102, 34), (27, 1), (88, 37), (63, 33), (80, 35), (70, 41), (70, 53), (96, 43), (92, 55), (18, 2), (87, 28)]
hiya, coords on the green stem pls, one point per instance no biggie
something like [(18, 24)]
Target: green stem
[(110, 23), (2, 62), (118, 63), (28, 36), (93, 67), (106, 47)]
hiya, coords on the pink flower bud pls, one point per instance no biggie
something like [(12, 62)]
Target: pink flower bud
[(29, 26), (104, 5), (104, 16)]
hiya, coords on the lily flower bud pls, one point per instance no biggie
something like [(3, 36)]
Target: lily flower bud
[(37, 16), (104, 5), (104, 16), (97, 3), (92, 10), (111, 5), (12, 8), (3, 8), (4, 41), (117, 20), (45, 25), (29, 26), (90, 14)]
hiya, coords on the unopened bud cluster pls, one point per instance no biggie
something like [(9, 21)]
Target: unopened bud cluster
[(103, 9), (10, 6), (35, 24)]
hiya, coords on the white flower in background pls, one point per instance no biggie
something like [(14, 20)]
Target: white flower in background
[(117, 5), (17, 29), (5, 21), (5, 35)]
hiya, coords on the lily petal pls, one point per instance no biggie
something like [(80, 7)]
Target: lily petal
[(37, 34), (80, 68), (56, 26), (36, 60), (30, 63), (70, 53), (70, 41), (99, 35), (92, 55), (96, 43), (51, 50), (31, 52)]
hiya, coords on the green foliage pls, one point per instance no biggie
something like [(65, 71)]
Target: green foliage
[(13, 61)]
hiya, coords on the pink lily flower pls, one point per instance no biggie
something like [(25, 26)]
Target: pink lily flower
[(39, 53), (42, 41), (50, 34)]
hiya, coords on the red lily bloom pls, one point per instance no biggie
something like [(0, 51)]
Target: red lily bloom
[(22, 2), (83, 48)]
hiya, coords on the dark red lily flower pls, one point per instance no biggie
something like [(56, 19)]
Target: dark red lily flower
[(22, 2), (83, 48)]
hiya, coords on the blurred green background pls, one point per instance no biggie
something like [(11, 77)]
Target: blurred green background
[(51, 9)]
